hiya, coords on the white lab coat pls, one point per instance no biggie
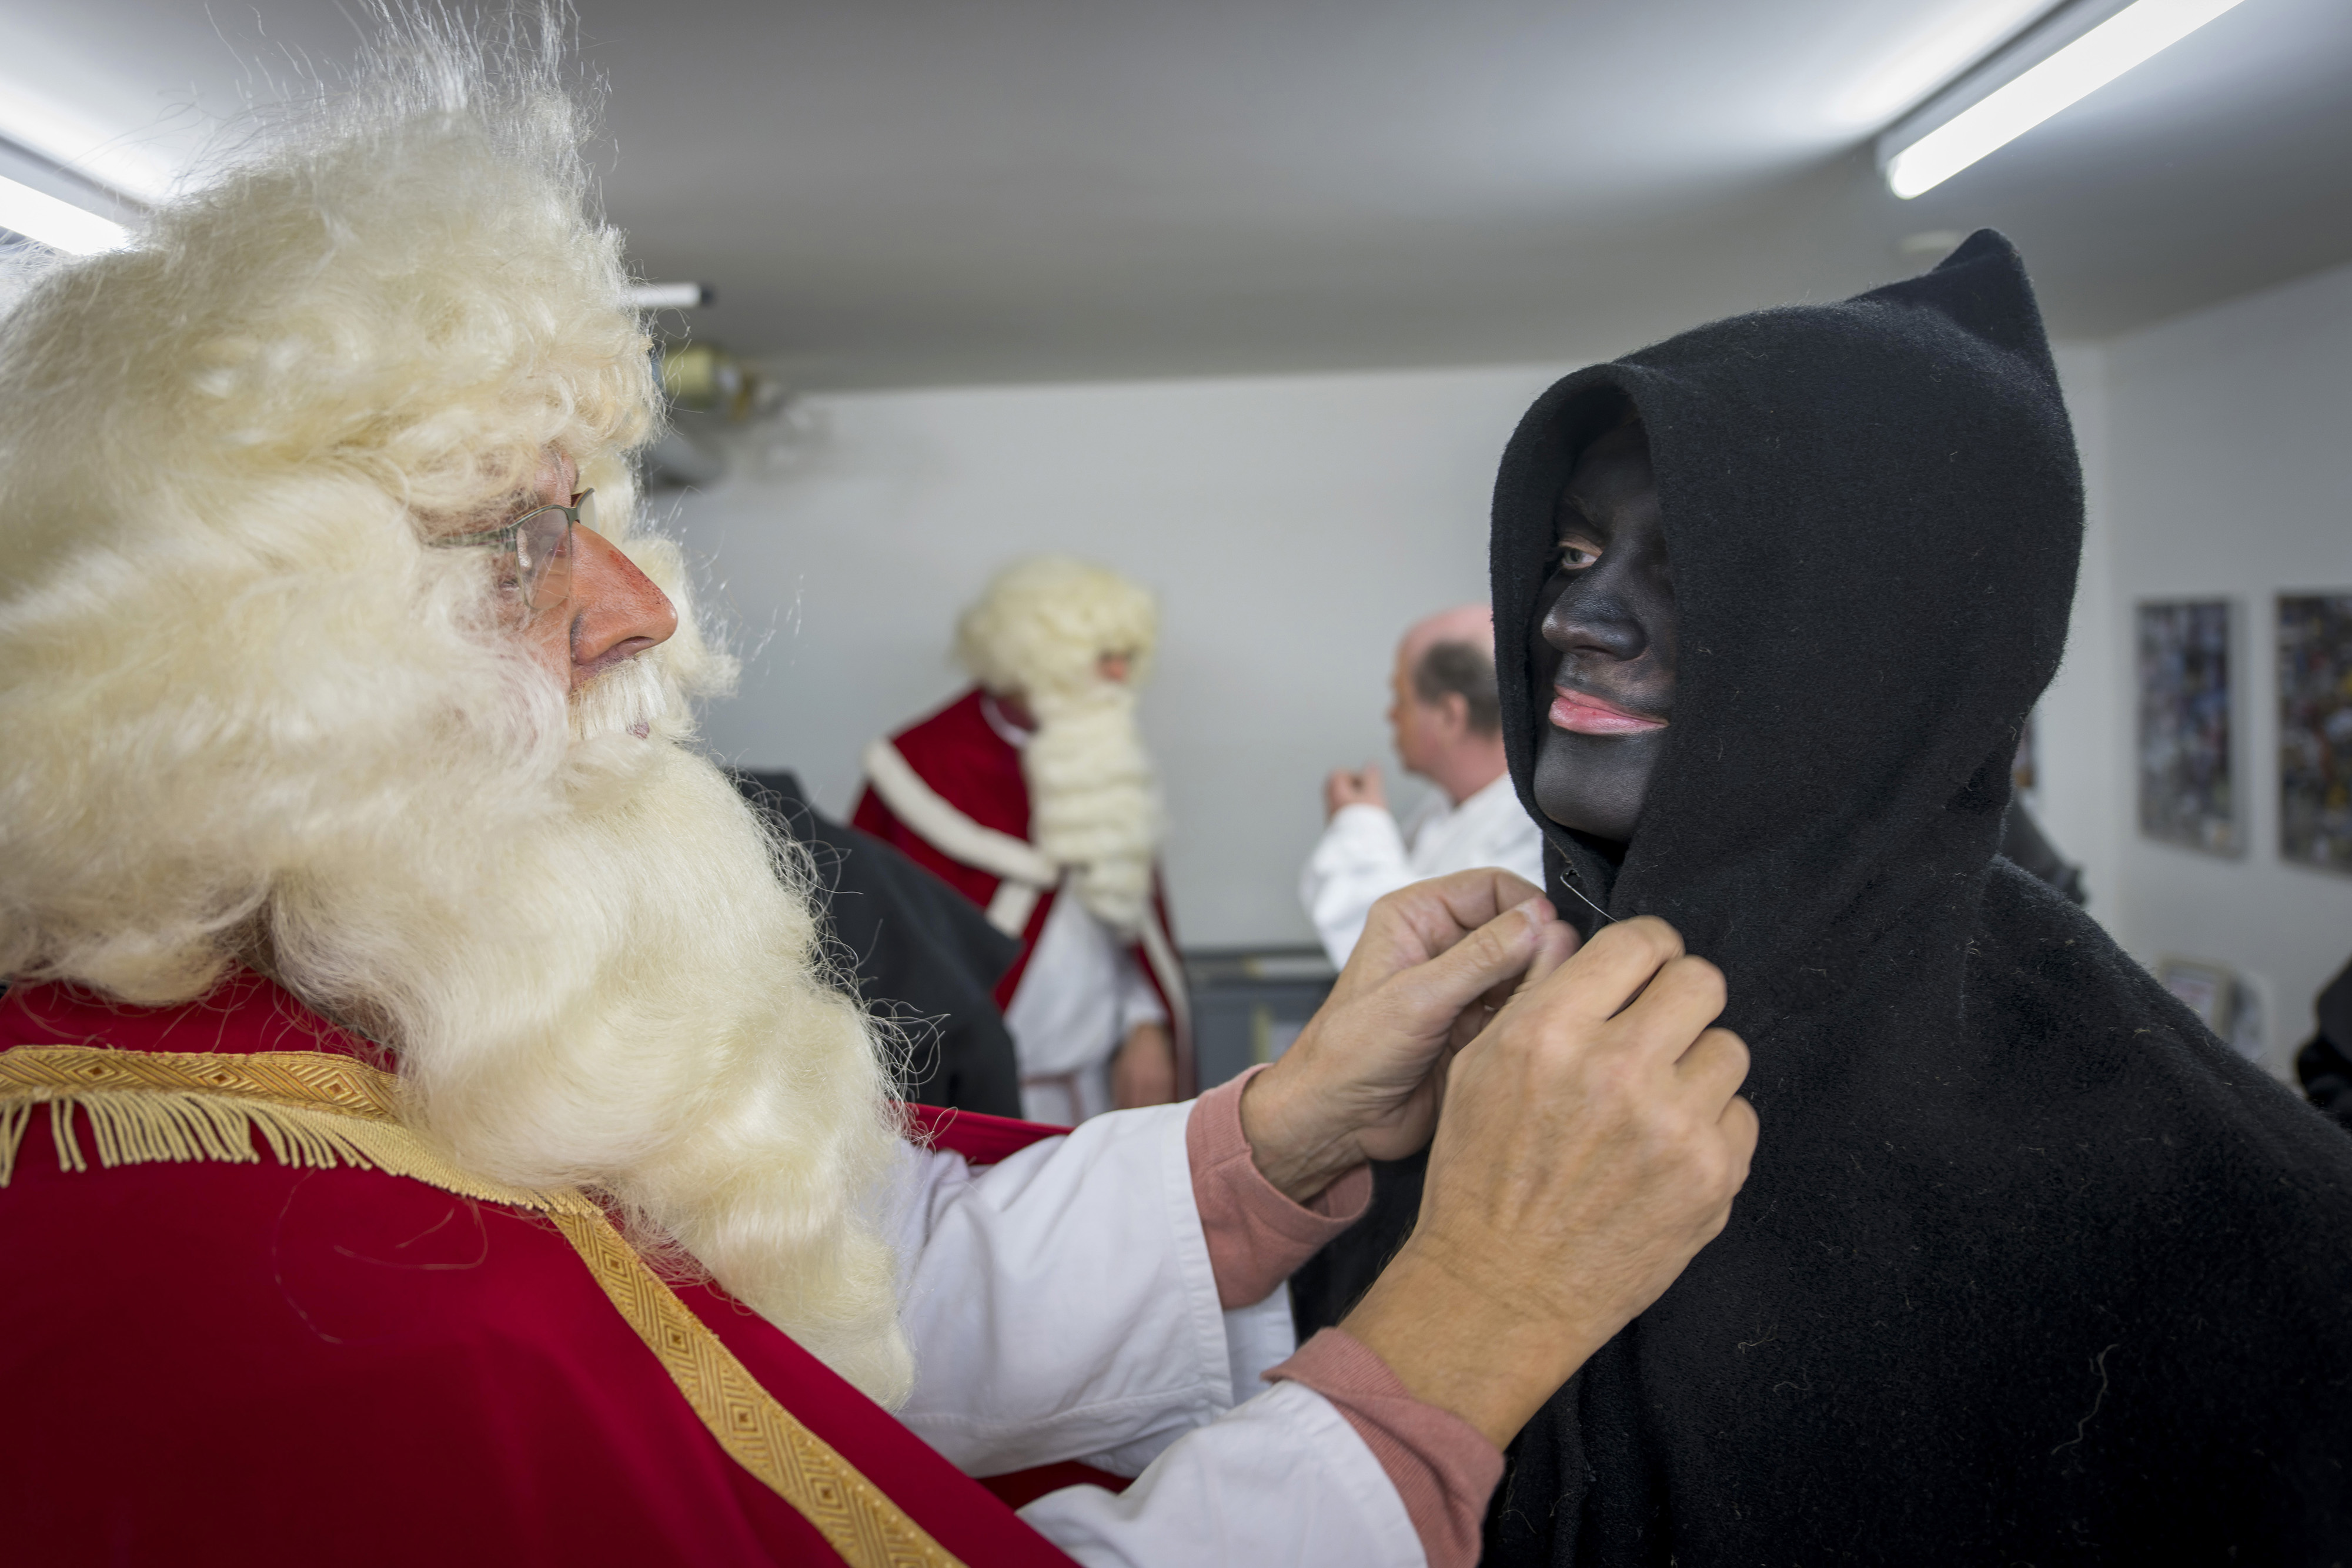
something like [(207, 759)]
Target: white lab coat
[(1364, 855), (1061, 1306)]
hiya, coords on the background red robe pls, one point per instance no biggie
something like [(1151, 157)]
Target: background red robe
[(977, 771)]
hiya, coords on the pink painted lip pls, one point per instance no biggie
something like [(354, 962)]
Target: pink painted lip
[(1585, 714)]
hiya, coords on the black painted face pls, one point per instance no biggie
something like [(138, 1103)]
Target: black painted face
[(1604, 640)]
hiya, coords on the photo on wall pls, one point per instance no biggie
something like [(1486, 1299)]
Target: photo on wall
[(2315, 677), (2188, 791)]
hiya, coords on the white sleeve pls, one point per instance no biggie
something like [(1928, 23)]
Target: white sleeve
[(1281, 1480), (1359, 860), (1061, 1305)]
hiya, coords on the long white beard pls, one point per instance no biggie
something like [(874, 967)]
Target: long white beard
[(1093, 805), (610, 977)]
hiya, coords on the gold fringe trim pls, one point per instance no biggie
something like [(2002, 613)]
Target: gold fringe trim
[(312, 1109), (319, 1110)]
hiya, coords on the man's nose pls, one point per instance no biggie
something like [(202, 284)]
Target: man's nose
[(1591, 617), (616, 611)]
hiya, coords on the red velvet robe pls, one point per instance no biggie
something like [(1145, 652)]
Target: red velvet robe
[(976, 770), (263, 1365)]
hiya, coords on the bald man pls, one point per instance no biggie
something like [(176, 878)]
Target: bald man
[(1448, 731)]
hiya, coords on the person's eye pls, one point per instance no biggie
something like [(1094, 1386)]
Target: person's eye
[(1576, 553)]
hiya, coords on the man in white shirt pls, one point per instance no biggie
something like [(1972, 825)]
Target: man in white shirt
[(1449, 731)]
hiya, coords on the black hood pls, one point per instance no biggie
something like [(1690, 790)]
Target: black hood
[(1873, 513), (2029, 1267)]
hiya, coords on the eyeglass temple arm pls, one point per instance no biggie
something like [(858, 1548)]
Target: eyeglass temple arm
[(506, 531)]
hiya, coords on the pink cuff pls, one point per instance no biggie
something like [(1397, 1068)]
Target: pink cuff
[(1442, 1467), (1257, 1238)]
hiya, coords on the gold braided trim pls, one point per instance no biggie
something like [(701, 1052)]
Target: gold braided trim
[(858, 1519), (320, 1109)]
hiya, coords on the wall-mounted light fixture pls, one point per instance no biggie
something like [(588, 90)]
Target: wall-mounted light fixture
[(703, 378), (2076, 51)]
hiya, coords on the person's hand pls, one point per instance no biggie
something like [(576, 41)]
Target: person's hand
[(1592, 1144), (1359, 788), (1364, 1077), (1144, 1071)]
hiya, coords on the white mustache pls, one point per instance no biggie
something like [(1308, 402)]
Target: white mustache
[(630, 698)]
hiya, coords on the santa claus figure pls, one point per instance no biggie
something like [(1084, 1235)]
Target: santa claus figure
[(432, 1130), (1032, 795)]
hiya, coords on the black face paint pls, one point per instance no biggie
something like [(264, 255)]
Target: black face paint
[(1602, 643)]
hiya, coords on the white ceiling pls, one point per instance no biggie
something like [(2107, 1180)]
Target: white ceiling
[(908, 192)]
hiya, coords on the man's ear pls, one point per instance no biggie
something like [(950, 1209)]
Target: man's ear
[(1456, 709)]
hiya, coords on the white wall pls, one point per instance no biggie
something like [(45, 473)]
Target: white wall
[(2078, 729), (2226, 473), (1292, 527)]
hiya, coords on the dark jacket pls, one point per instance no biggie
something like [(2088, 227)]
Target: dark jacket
[(2323, 1065), (925, 957), (2029, 1268)]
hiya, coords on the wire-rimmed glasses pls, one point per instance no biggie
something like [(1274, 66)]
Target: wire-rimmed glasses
[(536, 571)]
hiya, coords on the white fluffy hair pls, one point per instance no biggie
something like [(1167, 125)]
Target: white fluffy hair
[(251, 716), (1038, 630), (1042, 623)]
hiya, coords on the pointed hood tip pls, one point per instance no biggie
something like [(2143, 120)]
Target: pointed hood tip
[(1982, 288), (1977, 247)]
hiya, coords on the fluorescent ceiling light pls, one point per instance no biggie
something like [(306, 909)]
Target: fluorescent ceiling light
[(1929, 149), (1934, 57), (60, 225), (669, 296), (75, 143)]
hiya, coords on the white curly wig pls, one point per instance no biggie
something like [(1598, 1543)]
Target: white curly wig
[(1042, 623), (253, 716), (1040, 629), (220, 450)]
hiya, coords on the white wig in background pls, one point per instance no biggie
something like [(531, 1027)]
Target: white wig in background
[(1041, 625), (252, 716), (1040, 629)]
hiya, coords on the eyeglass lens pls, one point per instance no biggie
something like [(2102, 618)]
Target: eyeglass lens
[(543, 554), (544, 548)]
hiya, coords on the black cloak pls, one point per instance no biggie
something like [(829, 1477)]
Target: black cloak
[(2026, 846), (925, 957), (2029, 1269)]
